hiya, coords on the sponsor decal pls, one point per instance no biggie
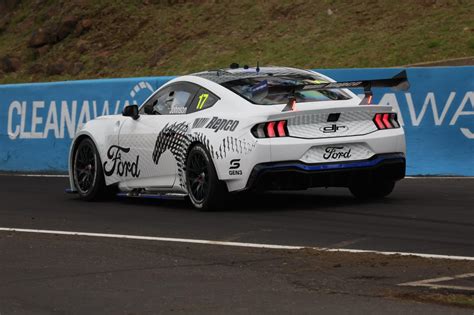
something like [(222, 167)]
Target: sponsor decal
[(116, 165), (216, 123), (200, 122), (336, 153), (259, 88), (234, 167), (333, 128), (61, 118)]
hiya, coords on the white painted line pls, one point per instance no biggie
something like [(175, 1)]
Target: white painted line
[(347, 243), (34, 175), (433, 256), (236, 244), (152, 238), (434, 283)]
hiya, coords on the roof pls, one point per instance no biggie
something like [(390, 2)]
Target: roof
[(225, 75)]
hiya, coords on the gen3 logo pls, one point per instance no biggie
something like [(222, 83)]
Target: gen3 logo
[(333, 128), (234, 167)]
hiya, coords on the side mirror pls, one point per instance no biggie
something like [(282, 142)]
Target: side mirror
[(131, 111)]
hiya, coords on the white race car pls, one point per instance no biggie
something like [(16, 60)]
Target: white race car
[(272, 128)]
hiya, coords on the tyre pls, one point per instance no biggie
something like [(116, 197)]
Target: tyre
[(87, 171), (372, 191), (205, 191)]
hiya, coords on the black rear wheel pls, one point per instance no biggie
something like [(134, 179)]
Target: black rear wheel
[(375, 190), (205, 191), (87, 171)]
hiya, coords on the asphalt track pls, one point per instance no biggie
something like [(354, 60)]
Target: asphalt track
[(423, 215), (71, 274)]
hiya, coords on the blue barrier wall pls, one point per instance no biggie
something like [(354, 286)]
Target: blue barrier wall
[(437, 113), (38, 121)]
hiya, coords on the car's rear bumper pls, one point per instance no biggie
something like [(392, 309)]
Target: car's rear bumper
[(295, 175)]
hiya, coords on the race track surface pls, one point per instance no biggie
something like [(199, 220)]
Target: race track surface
[(71, 274), (423, 215)]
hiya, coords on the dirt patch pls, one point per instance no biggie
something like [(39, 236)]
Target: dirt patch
[(444, 298), (375, 275)]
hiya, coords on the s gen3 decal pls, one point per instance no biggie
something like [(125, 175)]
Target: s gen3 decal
[(234, 167), (234, 164)]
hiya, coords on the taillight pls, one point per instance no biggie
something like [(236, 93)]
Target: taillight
[(386, 121), (281, 128), (271, 129)]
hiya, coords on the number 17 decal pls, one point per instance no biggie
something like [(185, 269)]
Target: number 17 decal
[(202, 100)]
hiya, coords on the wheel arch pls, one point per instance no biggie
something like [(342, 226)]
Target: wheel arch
[(217, 187), (78, 139), (208, 150)]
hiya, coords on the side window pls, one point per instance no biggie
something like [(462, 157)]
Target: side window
[(150, 107), (172, 100), (203, 99), (177, 101)]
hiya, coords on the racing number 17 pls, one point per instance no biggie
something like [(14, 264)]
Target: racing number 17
[(202, 100)]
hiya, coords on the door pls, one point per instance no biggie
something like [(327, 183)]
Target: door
[(149, 140)]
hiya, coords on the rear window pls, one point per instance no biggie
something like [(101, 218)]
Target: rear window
[(273, 90)]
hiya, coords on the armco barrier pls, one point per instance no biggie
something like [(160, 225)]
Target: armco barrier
[(37, 121)]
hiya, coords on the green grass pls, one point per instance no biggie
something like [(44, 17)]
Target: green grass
[(130, 38)]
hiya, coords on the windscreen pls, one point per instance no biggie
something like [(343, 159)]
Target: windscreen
[(273, 90)]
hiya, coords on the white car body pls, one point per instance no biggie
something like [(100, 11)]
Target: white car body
[(149, 153)]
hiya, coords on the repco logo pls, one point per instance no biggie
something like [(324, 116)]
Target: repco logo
[(217, 124), (333, 128)]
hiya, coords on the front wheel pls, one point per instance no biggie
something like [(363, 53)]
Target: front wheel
[(375, 190), (205, 191), (87, 171)]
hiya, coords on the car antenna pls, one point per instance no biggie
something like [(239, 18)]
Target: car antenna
[(258, 68)]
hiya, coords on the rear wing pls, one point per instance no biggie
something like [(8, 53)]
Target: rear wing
[(399, 82)]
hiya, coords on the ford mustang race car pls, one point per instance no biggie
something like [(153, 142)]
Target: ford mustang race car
[(207, 134)]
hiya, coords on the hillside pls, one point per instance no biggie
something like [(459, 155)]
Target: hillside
[(46, 40)]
